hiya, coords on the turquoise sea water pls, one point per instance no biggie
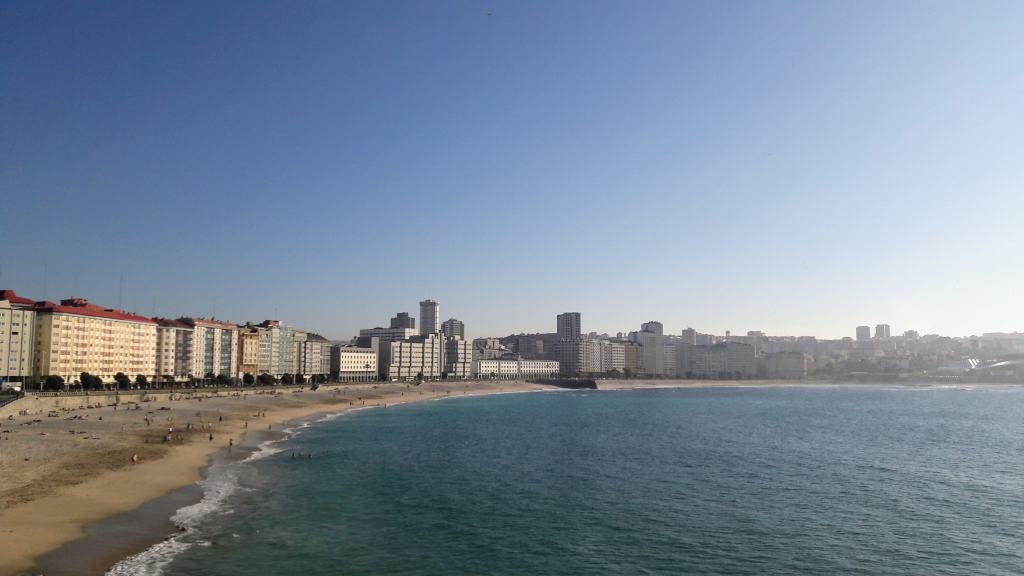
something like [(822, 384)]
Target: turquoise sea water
[(695, 481)]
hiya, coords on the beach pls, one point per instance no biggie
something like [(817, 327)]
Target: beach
[(69, 461)]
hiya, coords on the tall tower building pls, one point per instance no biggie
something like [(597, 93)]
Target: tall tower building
[(453, 328), (402, 320), (863, 333), (430, 317), (654, 327), (882, 331), (568, 325)]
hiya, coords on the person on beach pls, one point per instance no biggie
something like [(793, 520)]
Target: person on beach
[(211, 437)]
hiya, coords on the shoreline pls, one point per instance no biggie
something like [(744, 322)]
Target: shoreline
[(75, 526), (45, 524)]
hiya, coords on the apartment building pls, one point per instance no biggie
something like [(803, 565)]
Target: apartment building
[(75, 336), (17, 338), (419, 357)]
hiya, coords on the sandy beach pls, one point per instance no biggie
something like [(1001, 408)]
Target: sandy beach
[(64, 468), (68, 462)]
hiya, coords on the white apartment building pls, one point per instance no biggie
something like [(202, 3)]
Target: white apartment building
[(174, 348), (214, 347), (316, 356), (723, 360), (352, 364), (420, 357), (17, 338)]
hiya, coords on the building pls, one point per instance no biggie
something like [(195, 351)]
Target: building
[(515, 369), (17, 339), (403, 320), (174, 349), (689, 336), (366, 335), (248, 351), (75, 336), (430, 317), (316, 356), (458, 357), (725, 360), (863, 333), (882, 331), (214, 348), (353, 364), (571, 355), (785, 365), (569, 326), (453, 328), (651, 342), (421, 357), (537, 368)]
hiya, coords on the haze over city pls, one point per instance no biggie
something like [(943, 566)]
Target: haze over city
[(791, 168)]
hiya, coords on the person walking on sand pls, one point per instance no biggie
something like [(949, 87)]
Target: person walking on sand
[(211, 437), (135, 458)]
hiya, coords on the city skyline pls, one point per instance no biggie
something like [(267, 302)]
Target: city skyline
[(765, 168)]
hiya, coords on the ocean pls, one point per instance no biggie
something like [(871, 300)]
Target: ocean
[(674, 481)]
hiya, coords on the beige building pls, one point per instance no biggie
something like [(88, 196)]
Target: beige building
[(74, 337), (248, 351), (17, 339), (352, 364)]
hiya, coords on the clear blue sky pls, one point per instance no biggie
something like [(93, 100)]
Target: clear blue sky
[(792, 167)]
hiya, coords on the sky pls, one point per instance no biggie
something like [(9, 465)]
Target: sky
[(799, 168)]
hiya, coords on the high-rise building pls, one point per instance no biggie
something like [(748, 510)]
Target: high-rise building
[(403, 320), (863, 333), (654, 327), (174, 340), (882, 331), (366, 335), (420, 357), (316, 356), (651, 358), (458, 357), (569, 325), (214, 347), (453, 328), (690, 336), (17, 338), (75, 336), (248, 351), (430, 317)]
